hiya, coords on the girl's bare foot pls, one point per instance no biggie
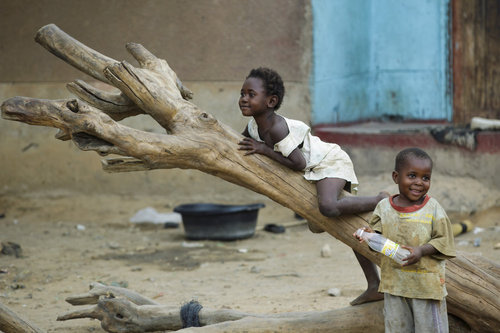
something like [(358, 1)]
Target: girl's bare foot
[(370, 295)]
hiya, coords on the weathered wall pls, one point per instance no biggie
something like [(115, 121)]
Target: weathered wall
[(211, 44), (203, 40), (384, 58)]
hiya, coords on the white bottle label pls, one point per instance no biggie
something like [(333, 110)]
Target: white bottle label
[(389, 249)]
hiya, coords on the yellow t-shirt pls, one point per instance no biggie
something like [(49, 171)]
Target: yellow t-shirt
[(415, 226)]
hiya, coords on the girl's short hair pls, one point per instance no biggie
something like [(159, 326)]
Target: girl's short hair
[(272, 83)]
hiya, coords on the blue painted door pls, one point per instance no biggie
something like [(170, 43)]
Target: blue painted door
[(380, 58)]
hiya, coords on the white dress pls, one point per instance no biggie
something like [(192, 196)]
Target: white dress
[(323, 159)]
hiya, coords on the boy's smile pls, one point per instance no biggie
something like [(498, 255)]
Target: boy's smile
[(414, 181)]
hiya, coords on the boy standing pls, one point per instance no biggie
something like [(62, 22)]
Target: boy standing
[(414, 294)]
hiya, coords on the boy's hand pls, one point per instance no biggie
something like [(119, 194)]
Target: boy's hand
[(414, 256), (252, 146), (365, 229), (417, 252)]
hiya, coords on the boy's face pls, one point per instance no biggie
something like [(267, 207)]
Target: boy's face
[(414, 181), (253, 98)]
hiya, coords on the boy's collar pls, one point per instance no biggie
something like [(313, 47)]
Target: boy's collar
[(408, 209)]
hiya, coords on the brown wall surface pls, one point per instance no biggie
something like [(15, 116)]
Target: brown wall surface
[(210, 44), (203, 40)]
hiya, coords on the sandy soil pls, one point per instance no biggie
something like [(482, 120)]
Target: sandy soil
[(69, 240)]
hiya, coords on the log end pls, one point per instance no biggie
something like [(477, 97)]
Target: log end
[(13, 108), (44, 31)]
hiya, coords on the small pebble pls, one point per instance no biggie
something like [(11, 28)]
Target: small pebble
[(477, 242), (11, 249), (497, 246), (16, 286), (255, 269), (113, 245), (335, 292), (326, 251)]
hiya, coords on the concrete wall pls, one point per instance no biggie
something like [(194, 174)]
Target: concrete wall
[(341, 72), (211, 44)]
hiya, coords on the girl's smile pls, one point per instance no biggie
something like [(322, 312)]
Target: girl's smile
[(253, 98)]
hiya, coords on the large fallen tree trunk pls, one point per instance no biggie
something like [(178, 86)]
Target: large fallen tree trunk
[(132, 312), (196, 140)]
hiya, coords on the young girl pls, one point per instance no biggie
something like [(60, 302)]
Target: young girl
[(291, 143)]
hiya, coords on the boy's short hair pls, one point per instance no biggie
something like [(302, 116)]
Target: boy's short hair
[(272, 83), (405, 154)]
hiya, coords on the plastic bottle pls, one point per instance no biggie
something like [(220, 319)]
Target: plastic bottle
[(379, 243)]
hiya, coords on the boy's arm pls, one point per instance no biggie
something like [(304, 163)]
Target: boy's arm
[(441, 246), (442, 238), (416, 253)]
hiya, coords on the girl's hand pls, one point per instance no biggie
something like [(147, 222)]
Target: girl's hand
[(294, 161), (252, 146)]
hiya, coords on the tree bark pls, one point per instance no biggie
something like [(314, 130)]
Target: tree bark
[(10, 322), (194, 139)]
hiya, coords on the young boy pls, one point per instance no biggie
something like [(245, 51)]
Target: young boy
[(414, 293)]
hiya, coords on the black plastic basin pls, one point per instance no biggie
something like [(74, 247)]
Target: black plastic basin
[(219, 222)]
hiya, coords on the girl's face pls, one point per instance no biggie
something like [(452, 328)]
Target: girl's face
[(414, 181), (253, 98)]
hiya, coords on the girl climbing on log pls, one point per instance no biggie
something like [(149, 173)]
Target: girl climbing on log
[(291, 143)]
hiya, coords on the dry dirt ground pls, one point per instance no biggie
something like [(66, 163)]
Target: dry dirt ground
[(70, 240)]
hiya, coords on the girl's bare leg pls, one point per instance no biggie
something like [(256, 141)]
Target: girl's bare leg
[(370, 271), (330, 205)]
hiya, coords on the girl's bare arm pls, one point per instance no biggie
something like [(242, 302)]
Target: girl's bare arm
[(294, 161), (245, 132)]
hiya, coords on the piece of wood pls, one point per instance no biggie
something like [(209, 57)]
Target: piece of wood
[(125, 315), (10, 322), (120, 315), (196, 140), (475, 38)]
